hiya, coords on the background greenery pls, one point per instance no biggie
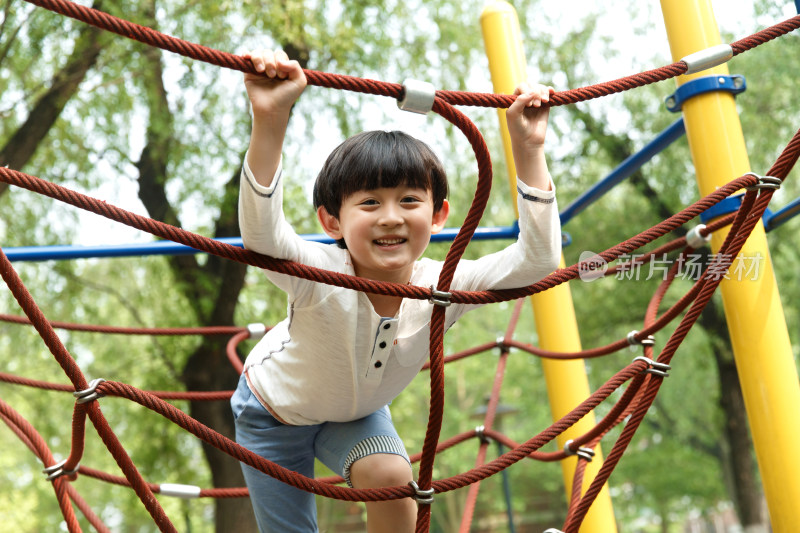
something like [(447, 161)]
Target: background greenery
[(164, 136)]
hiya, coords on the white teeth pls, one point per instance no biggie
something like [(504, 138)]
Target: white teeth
[(389, 241)]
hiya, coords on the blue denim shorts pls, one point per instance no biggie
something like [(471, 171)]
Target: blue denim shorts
[(280, 507)]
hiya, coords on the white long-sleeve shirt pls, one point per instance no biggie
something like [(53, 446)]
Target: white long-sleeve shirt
[(333, 359)]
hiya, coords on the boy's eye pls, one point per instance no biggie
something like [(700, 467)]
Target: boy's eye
[(410, 199), (369, 201)]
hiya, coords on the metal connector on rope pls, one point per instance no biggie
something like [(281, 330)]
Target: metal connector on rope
[(179, 490), (552, 530), (57, 470), (582, 452), (501, 344), (695, 238), (422, 496), (90, 394), (710, 57), (654, 367), (440, 298), (480, 432), (764, 182), (418, 96), (256, 331), (633, 342)]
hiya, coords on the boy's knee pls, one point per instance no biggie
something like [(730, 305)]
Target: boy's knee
[(380, 470)]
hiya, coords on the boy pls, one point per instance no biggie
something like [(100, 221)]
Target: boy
[(319, 383)]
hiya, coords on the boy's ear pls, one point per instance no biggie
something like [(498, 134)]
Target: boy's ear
[(330, 224), (440, 217)]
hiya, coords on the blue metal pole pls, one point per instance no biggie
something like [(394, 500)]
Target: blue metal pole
[(60, 252), (624, 169), (782, 215)]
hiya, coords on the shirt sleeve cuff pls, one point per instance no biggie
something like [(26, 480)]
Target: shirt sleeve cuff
[(259, 189), (537, 195)]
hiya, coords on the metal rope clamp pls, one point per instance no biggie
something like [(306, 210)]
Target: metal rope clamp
[(179, 490), (654, 367), (256, 330), (764, 182), (57, 470), (418, 96), (582, 452), (695, 238), (502, 345), (708, 58), (633, 342), (422, 496), (480, 432), (440, 298), (90, 394)]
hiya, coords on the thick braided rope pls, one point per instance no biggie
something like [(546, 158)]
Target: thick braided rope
[(227, 251), (116, 330), (422, 520), (746, 219), (205, 244), (242, 333), (112, 388), (436, 345), (34, 441), (336, 81), (219, 441), (489, 417), (765, 204), (742, 227), (74, 373), (444, 282), (164, 395), (437, 387)]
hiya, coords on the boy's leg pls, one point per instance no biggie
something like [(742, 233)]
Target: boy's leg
[(369, 454), (278, 507), (385, 470)]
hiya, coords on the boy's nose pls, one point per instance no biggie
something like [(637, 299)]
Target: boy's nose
[(390, 216)]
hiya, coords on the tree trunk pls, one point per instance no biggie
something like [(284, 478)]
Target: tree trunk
[(741, 466), (212, 291), (23, 143)]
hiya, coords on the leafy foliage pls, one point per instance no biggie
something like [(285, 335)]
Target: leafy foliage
[(98, 139)]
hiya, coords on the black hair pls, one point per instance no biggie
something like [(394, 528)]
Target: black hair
[(375, 159)]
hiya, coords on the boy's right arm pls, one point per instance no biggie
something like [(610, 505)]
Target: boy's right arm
[(272, 92)]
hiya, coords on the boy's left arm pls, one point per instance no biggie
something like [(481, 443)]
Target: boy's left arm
[(527, 125)]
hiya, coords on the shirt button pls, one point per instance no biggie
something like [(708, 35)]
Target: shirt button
[(378, 364), (387, 326), (382, 344)]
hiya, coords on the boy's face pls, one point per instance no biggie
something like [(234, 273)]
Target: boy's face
[(386, 230)]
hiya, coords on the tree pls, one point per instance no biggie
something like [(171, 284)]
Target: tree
[(209, 287), (172, 132)]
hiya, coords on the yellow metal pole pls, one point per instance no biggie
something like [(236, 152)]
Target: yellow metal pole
[(752, 304), (556, 325)]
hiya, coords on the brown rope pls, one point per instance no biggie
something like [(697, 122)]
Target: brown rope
[(742, 226)]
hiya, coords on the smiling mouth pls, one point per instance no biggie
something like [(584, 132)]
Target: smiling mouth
[(389, 242)]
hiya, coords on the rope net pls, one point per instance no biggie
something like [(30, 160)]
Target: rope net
[(643, 376)]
